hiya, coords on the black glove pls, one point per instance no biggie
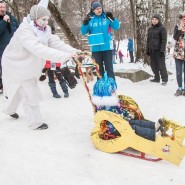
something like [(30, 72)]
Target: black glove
[(86, 20), (42, 77), (109, 15), (148, 53), (71, 81), (44, 70), (69, 78), (161, 54)]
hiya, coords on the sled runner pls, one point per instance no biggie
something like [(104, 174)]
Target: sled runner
[(169, 147)]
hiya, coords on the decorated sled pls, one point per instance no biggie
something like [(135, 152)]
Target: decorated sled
[(170, 147)]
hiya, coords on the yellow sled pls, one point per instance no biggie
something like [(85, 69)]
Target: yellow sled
[(169, 148)]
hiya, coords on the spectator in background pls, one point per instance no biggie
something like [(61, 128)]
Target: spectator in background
[(8, 25), (99, 24), (179, 33), (156, 46), (120, 56), (130, 48)]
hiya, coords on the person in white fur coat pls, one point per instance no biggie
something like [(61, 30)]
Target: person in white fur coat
[(23, 60)]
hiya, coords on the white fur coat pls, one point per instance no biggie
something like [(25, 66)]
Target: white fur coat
[(25, 56)]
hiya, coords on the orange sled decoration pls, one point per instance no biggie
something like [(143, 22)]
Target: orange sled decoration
[(169, 147)]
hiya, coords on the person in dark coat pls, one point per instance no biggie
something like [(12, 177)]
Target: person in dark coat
[(179, 33), (130, 48), (8, 25), (156, 45)]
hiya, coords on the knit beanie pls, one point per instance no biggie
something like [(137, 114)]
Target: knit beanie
[(95, 5), (157, 16), (38, 11)]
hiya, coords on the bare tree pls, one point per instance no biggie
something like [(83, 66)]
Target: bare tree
[(159, 8), (141, 30), (63, 25)]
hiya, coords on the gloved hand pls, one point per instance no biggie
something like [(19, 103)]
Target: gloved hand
[(42, 77), (86, 20), (109, 15), (148, 53), (69, 78), (44, 70), (161, 54)]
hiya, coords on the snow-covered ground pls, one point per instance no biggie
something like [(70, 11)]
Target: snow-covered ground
[(64, 153)]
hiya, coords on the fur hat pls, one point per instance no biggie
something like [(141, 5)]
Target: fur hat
[(157, 16), (95, 5), (38, 11)]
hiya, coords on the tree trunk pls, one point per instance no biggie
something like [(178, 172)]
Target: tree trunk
[(166, 14), (132, 5), (16, 11), (141, 30), (159, 8), (63, 25)]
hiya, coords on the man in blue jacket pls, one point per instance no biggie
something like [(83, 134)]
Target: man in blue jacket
[(130, 48), (96, 24), (8, 25)]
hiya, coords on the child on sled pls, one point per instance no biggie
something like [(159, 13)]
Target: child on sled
[(104, 98)]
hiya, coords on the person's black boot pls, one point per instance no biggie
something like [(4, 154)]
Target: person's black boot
[(64, 89), (164, 83), (54, 90), (15, 116), (179, 92), (42, 127), (183, 92), (154, 80)]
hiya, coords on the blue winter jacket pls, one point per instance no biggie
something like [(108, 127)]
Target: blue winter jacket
[(130, 45), (6, 31), (101, 24)]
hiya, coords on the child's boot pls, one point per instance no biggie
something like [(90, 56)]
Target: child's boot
[(64, 89), (54, 90)]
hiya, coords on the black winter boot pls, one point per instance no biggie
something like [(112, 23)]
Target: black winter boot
[(42, 127), (54, 90), (15, 116), (64, 89), (154, 80)]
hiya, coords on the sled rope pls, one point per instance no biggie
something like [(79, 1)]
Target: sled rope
[(79, 65)]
